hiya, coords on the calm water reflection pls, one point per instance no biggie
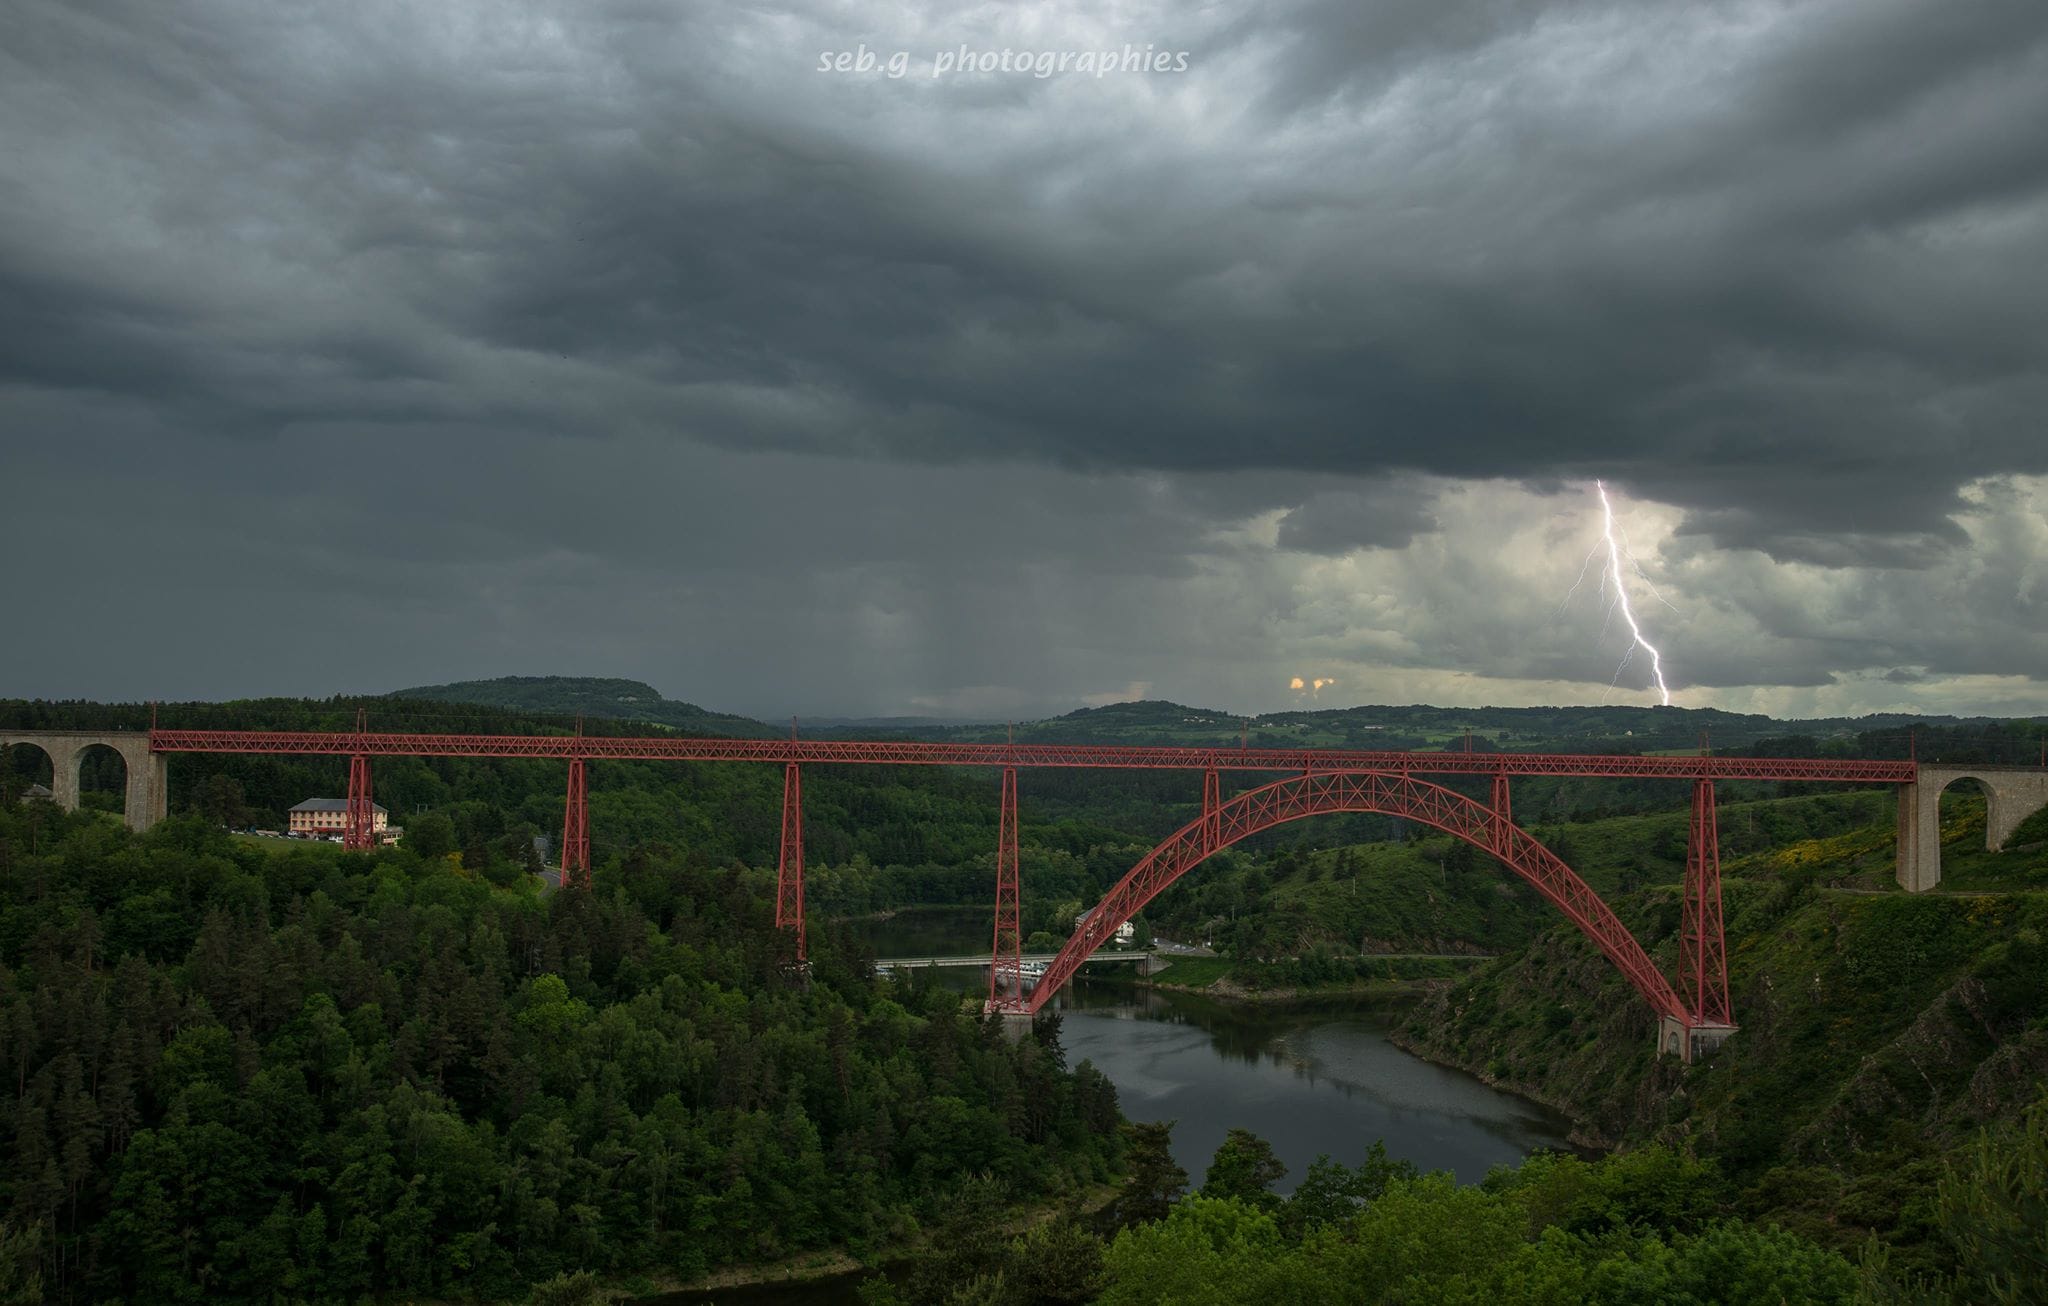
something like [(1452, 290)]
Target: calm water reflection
[(1306, 1080)]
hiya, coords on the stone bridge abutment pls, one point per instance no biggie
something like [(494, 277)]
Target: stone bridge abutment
[(148, 789), (2012, 794)]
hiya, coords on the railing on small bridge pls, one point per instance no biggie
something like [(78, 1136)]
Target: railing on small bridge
[(1140, 957)]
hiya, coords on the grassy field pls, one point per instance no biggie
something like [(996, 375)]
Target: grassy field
[(1195, 972), (284, 845)]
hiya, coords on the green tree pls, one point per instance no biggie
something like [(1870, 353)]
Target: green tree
[(1648, 1187), (1379, 1171), (967, 1244), (222, 802), (878, 1291), (1993, 1206), (430, 834), (1323, 1197), (578, 1289), (1206, 1252), (1331, 1193), (1736, 1262), (1153, 1181), (21, 1266), (1058, 1261), (1245, 1168)]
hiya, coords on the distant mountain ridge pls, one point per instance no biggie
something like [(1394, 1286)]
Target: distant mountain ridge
[(1377, 726), (1587, 728), (592, 696)]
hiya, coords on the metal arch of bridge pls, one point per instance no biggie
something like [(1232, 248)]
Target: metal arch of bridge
[(1318, 793)]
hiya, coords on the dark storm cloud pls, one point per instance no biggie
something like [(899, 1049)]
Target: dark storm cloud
[(1340, 521), (663, 222), (1778, 265)]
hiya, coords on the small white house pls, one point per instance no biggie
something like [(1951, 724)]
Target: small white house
[(1125, 933)]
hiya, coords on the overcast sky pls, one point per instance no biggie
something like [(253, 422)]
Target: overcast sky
[(352, 346)]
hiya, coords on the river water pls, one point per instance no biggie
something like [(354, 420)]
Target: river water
[(1308, 1080)]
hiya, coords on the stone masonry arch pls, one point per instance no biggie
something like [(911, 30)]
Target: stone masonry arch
[(148, 790), (2012, 794)]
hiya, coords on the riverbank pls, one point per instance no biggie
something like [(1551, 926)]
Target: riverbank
[(1583, 1134), (1229, 990), (826, 1268), (1221, 978)]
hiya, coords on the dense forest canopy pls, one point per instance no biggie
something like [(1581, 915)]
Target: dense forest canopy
[(236, 1073)]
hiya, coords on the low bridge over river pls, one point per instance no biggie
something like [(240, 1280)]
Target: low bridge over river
[(1145, 961)]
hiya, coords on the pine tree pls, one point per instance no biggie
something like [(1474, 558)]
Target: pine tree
[(1154, 1181), (1994, 1207)]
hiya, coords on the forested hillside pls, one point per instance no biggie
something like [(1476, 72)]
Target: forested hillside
[(238, 1074), (1879, 1032)]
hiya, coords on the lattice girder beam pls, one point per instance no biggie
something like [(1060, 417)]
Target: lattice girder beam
[(1118, 757), (789, 869), (576, 829), (359, 817), (1212, 805), (1702, 942), (1503, 807), (1007, 952)]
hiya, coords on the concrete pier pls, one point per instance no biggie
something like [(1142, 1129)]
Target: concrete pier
[(1689, 1042)]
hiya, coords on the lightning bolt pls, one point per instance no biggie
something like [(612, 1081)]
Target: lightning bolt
[(1614, 578), (1637, 567), (1584, 567)]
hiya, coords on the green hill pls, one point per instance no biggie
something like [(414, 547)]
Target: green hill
[(1621, 729), (1373, 726), (592, 696)]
